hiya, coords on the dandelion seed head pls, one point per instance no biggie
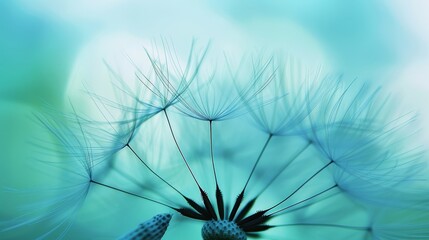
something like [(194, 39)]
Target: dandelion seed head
[(262, 149), (222, 230)]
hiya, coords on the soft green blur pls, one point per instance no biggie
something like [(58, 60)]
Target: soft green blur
[(36, 55)]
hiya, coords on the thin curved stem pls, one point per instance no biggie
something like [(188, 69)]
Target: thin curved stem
[(270, 136), (152, 171), (211, 151), (284, 167), (302, 185), (304, 200), (131, 194), (240, 196), (180, 150)]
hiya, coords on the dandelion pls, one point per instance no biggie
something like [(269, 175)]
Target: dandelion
[(55, 215), (265, 150)]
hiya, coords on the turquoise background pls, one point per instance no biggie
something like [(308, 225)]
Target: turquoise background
[(47, 46)]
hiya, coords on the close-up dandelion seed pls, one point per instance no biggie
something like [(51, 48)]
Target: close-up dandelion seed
[(110, 131)]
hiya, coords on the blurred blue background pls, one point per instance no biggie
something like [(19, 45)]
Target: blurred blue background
[(42, 43)]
